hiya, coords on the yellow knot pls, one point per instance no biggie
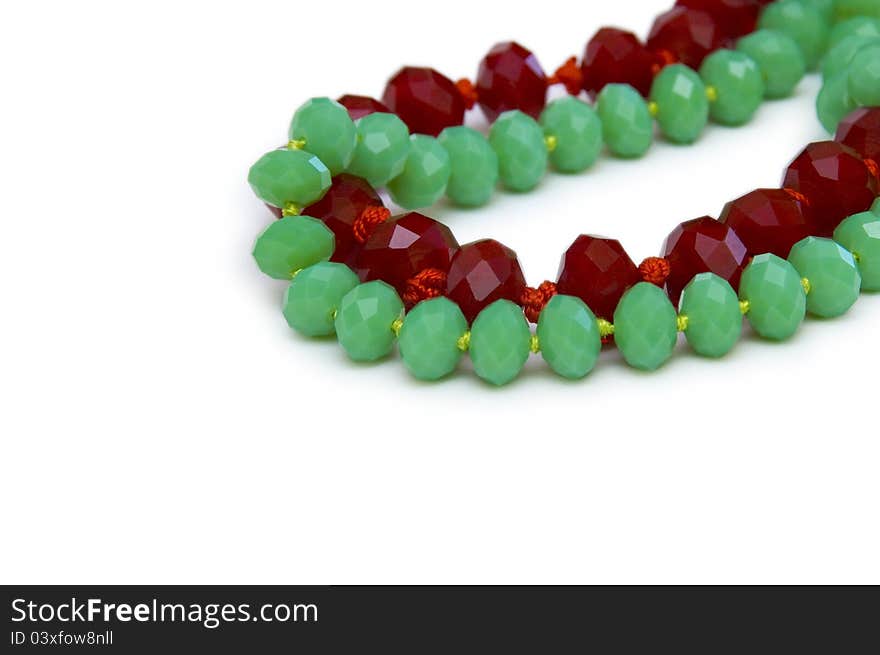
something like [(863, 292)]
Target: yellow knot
[(856, 257), (464, 341), (296, 144), (291, 209), (535, 344), (711, 93), (744, 306), (606, 329), (653, 109), (333, 315), (396, 325), (681, 322), (295, 273), (551, 142), (805, 283)]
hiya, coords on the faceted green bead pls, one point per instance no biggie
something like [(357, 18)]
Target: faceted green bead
[(500, 342), (425, 175), (627, 127), (738, 83), (569, 336), (839, 57), (714, 319), (314, 296), (576, 131), (428, 340), (863, 26), (780, 59), (474, 166), (860, 234), (850, 8), (645, 326), (864, 76), (381, 150), (834, 280), (518, 141), (292, 243), (824, 7), (682, 105), (365, 318), (287, 176), (802, 23), (876, 207), (834, 101), (328, 132), (776, 299)]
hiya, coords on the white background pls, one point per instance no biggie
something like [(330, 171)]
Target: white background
[(161, 424)]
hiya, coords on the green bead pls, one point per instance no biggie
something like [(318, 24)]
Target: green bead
[(682, 105), (328, 132), (802, 23), (839, 57), (428, 340), (776, 300), (860, 234), (834, 101), (314, 296), (474, 166), (425, 175), (824, 7), (627, 127), (500, 342), (780, 59), (569, 336), (850, 8), (714, 319), (382, 147), (645, 326), (292, 243), (365, 318), (282, 177), (834, 280), (576, 132), (863, 26), (738, 84), (518, 141), (864, 76), (876, 207)]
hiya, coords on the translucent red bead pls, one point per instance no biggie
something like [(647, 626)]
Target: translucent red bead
[(360, 106), (510, 77), (769, 220), (861, 132), (686, 34), (733, 17), (425, 100), (481, 273), (613, 56)]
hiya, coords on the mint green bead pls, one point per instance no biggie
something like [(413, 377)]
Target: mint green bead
[(714, 319), (839, 57), (500, 342), (864, 76), (627, 127), (569, 336), (428, 340), (474, 166), (282, 177), (780, 59), (292, 243), (876, 207), (424, 176), (834, 280), (328, 132), (738, 84), (682, 105), (381, 150), (824, 7), (776, 300), (576, 132), (860, 234), (834, 101), (314, 295), (518, 141), (863, 26), (801, 22), (645, 327), (850, 8), (365, 318)]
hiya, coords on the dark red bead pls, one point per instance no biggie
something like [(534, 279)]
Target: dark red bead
[(481, 273), (510, 77), (425, 100), (861, 132), (598, 271), (699, 246), (360, 106), (614, 55), (769, 220), (733, 17), (688, 35), (835, 180)]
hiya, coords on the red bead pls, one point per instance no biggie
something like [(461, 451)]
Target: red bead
[(769, 220), (510, 77), (699, 246), (861, 132), (688, 35), (733, 17), (360, 106), (425, 100), (344, 201), (835, 180), (598, 271), (399, 249), (481, 273), (614, 55)]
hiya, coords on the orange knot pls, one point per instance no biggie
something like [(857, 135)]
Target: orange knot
[(427, 283), (654, 270), (872, 166), (664, 59), (533, 300), (468, 92), (797, 195), (368, 220), (569, 75)]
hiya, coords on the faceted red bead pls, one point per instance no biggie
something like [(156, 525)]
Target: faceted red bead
[(733, 17), (360, 106), (835, 180), (481, 273), (689, 35), (598, 271), (861, 132), (510, 77), (614, 55), (400, 248), (699, 246), (769, 220), (424, 99)]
